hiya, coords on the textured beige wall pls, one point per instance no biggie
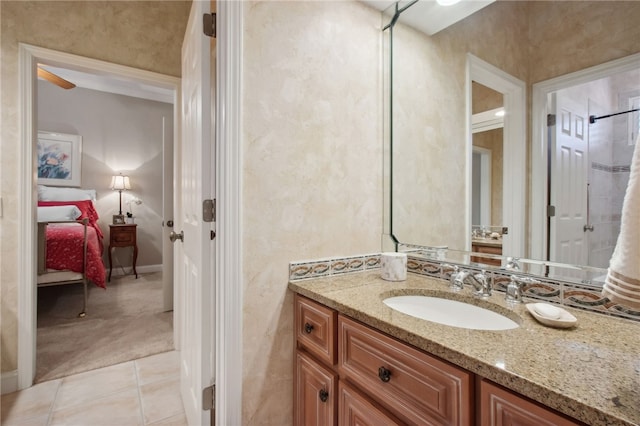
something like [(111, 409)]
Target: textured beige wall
[(146, 35), (567, 36), (312, 150), (484, 99)]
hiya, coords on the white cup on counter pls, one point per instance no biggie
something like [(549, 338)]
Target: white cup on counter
[(394, 266)]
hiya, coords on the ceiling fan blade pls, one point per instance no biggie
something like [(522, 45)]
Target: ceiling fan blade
[(51, 77)]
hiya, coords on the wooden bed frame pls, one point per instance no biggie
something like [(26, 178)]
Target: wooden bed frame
[(51, 277)]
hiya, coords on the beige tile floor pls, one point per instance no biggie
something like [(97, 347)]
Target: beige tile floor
[(141, 392)]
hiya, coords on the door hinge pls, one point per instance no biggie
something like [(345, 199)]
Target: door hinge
[(551, 211), (209, 397), (551, 120), (209, 210), (209, 24)]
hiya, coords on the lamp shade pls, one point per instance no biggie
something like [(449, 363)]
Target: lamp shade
[(120, 183)]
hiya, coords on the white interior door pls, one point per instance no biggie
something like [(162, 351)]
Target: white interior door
[(569, 167), (195, 265)]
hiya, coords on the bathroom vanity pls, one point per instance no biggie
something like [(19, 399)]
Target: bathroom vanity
[(487, 246), (360, 362)]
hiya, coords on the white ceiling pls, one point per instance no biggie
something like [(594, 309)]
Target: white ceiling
[(427, 15), (112, 84)]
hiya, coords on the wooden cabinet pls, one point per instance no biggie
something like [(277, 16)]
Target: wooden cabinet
[(316, 381), (350, 374), (501, 407), (416, 387), (315, 391)]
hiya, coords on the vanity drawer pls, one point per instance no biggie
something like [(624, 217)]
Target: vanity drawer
[(416, 387), (315, 329), (356, 409)]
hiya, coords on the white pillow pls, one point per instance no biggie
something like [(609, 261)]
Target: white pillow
[(50, 193), (57, 213)]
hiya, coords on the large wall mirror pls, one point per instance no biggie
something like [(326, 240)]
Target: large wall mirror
[(459, 173)]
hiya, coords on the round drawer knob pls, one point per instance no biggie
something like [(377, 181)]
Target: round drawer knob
[(384, 374), (324, 395), (308, 328)]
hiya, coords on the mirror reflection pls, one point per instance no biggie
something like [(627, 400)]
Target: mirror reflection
[(444, 167), (590, 167), (487, 107)]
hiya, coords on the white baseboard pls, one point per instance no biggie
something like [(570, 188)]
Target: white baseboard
[(145, 269), (9, 381)]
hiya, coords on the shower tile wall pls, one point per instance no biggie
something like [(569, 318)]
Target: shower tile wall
[(610, 157), (602, 197)]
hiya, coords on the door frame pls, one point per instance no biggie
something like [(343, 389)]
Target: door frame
[(28, 57), (228, 276), (539, 141)]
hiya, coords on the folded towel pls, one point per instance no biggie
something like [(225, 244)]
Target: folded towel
[(622, 284)]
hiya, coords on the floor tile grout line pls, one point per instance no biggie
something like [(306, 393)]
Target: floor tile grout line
[(142, 417), (105, 395), (53, 402)]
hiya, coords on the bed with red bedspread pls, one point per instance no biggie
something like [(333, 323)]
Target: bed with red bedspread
[(64, 244), (65, 251)]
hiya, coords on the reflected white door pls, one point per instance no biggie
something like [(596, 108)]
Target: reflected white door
[(568, 241), (195, 266)]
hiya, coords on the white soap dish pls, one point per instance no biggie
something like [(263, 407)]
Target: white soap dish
[(552, 316)]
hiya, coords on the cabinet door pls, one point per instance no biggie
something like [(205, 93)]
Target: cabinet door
[(356, 409), (315, 393), (416, 387), (500, 407)]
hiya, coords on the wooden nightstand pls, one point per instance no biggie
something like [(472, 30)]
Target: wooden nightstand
[(123, 236)]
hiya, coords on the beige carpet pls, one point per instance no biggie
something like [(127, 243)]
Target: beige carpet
[(123, 323)]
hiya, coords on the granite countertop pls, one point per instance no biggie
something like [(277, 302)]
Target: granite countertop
[(590, 372), (489, 242)]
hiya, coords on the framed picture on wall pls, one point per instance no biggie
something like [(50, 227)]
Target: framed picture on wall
[(59, 159)]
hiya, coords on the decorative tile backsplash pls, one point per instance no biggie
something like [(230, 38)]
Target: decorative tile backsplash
[(332, 266), (543, 289)]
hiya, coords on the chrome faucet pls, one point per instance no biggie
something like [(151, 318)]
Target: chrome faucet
[(480, 282), (515, 288)]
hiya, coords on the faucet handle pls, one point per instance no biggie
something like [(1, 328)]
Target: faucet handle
[(457, 279), (515, 287), (446, 267), (484, 282), (512, 263)]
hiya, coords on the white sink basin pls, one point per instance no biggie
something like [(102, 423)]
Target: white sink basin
[(450, 312)]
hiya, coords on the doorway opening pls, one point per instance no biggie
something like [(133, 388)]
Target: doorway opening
[(512, 127), (34, 117)]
